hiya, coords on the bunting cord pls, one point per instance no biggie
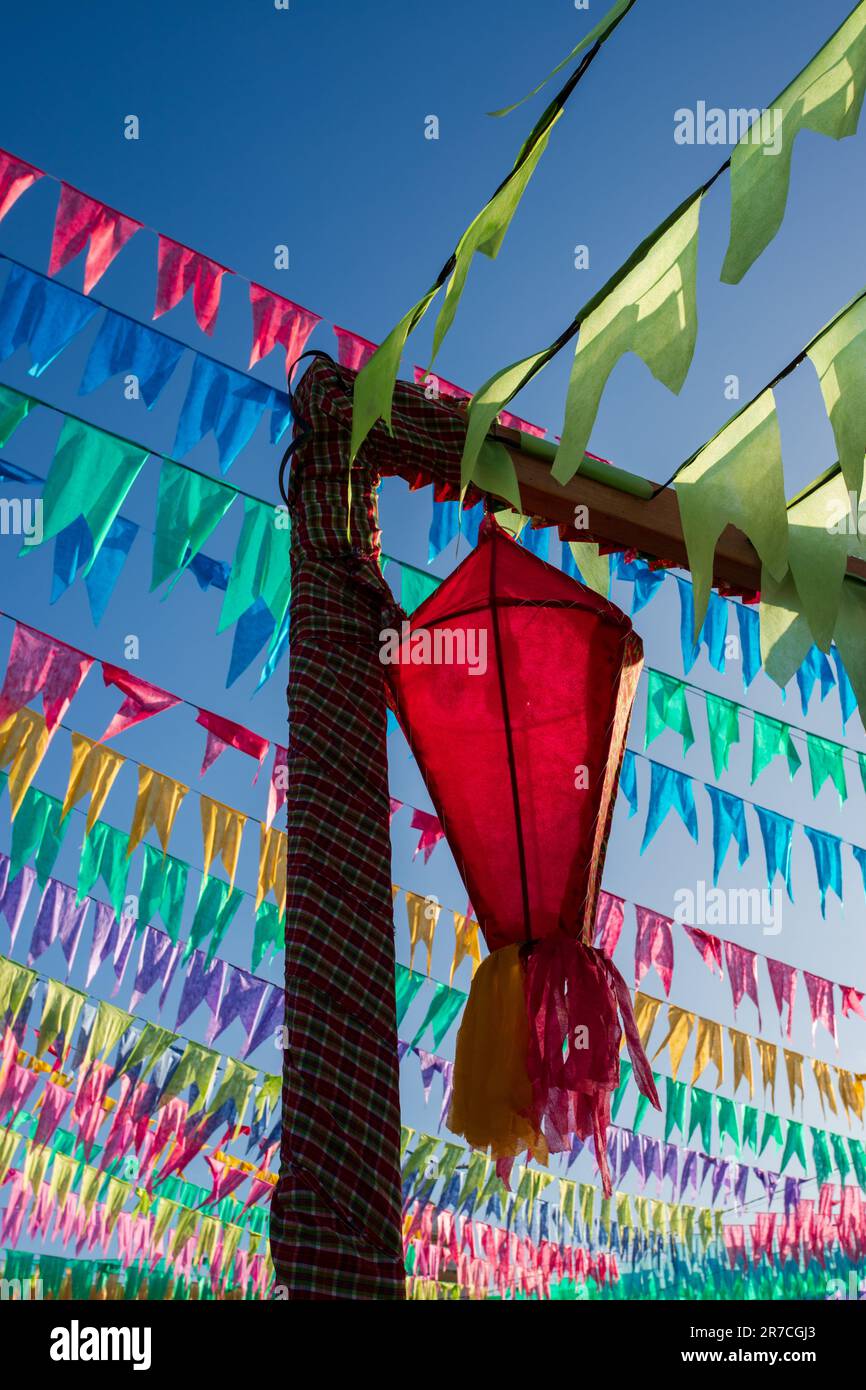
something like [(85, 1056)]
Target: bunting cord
[(850, 754), (745, 800), (780, 376), (181, 699), (137, 323)]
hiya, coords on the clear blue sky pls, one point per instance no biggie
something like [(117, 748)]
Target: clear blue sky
[(306, 127)]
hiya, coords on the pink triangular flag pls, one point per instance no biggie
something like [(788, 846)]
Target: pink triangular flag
[(40, 664), (143, 700), (820, 992), (277, 320), (394, 807), (352, 350), (852, 1001), (709, 948), (431, 833), (783, 979), (654, 945), (180, 269), (442, 387), (608, 922), (81, 220), (279, 783), (224, 733), (514, 422), (743, 974), (16, 176)]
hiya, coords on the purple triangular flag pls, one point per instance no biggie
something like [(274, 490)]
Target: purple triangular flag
[(242, 998), (14, 895), (59, 918), (271, 1014), (104, 939), (157, 961), (202, 982)]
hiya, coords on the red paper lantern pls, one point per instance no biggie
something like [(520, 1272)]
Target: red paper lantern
[(514, 685)]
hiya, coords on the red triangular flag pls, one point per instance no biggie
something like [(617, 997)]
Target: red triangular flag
[(443, 387), (708, 946), (277, 320), (143, 700), (223, 733), (431, 833), (16, 176), (81, 220), (352, 350), (180, 269)]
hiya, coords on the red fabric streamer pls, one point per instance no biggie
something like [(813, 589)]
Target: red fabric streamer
[(224, 733), (431, 833), (180, 269), (143, 700), (81, 220), (16, 176), (353, 350), (277, 320), (39, 663), (573, 995)]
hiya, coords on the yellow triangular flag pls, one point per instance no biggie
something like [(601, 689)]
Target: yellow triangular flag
[(93, 770), (741, 1043), (221, 828), (466, 943), (851, 1093), (645, 1014), (273, 848), (23, 742), (709, 1049), (9, 1142), (794, 1068), (59, 1014), (158, 803), (680, 1025), (768, 1054), (423, 914), (823, 1081)]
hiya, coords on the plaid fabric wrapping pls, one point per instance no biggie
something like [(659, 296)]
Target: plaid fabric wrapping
[(336, 1211)]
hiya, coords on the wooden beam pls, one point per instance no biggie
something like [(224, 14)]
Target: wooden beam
[(651, 525)]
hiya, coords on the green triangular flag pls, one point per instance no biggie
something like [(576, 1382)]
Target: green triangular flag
[(37, 831), (163, 889), (625, 1071), (667, 709), (260, 568), (14, 407), (826, 759), (858, 1158), (650, 309), (188, 508), (675, 1106), (197, 1067), (90, 476), (840, 1156), (104, 855), (444, 1008), (215, 910), (825, 97), (728, 1120), (750, 1127), (772, 738), (407, 984), (793, 1145), (723, 723), (772, 1130), (735, 479), (821, 1156), (643, 1104), (415, 587), (701, 1115)]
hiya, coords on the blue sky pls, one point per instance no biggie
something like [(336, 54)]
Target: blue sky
[(306, 127)]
